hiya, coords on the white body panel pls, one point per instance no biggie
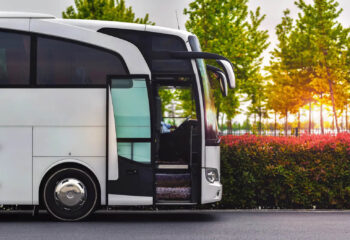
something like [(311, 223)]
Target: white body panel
[(113, 172), (16, 165), (211, 192), (125, 200), (66, 125), (53, 107), (69, 141), (15, 24), (212, 154)]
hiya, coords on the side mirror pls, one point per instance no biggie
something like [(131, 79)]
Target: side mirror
[(228, 68), (222, 79)]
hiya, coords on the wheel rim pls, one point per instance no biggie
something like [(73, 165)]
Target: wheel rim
[(70, 194)]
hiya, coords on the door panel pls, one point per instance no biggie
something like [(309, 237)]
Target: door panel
[(130, 102), (135, 179)]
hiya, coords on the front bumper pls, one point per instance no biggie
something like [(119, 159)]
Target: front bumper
[(211, 192)]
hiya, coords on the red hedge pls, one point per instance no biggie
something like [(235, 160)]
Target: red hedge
[(315, 142), (286, 172)]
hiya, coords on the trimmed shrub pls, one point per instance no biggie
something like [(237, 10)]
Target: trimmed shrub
[(286, 172)]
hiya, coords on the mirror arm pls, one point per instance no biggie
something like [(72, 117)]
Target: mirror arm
[(213, 69), (222, 78)]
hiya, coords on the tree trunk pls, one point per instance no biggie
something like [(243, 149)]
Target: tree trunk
[(310, 117), (286, 124), (229, 126), (275, 124), (217, 114), (333, 101), (259, 124), (222, 119), (321, 115), (299, 123), (346, 117), (254, 119)]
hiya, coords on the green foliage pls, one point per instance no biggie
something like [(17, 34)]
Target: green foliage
[(166, 97), (283, 172), (186, 102), (227, 28), (112, 10)]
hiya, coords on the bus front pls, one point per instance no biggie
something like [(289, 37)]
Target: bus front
[(177, 156), (211, 186)]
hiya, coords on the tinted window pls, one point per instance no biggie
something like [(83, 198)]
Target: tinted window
[(149, 43), (132, 117), (14, 59), (67, 63), (166, 43)]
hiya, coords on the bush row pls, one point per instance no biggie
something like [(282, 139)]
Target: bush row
[(286, 172)]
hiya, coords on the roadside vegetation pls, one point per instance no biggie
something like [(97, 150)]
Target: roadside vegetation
[(286, 172)]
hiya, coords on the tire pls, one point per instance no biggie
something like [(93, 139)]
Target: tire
[(70, 194)]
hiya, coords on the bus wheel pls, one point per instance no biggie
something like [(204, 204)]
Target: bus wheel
[(70, 194)]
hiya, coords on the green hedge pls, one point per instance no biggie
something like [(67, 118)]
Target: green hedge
[(286, 172)]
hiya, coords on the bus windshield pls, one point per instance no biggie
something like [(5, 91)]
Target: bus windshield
[(211, 126)]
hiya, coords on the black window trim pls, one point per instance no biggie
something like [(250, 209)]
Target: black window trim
[(147, 51), (33, 61)]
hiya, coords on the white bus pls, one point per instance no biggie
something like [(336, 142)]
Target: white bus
[(86, 121)]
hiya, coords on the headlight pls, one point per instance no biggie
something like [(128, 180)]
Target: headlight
[(212, 174)]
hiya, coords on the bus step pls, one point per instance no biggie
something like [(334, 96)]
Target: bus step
[(173, 193), (175, 180), (172, 166)]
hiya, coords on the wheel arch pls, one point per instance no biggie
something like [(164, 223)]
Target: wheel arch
[(68, 164)]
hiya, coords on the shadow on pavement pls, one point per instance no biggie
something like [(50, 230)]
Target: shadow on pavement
[(118, 217), (153, 217)]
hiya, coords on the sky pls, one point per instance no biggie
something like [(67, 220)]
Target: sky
[(163, 12), (169, 13)]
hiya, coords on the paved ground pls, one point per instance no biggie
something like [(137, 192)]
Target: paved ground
[(267, 225)]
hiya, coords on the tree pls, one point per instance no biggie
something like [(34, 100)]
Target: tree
[(283, 98), (258, 100), (112, 10), (289, 89), (327, 40), (227, 28), (313, 52)]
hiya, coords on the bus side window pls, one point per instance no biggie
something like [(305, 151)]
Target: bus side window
[(14, 59), (67, 63)]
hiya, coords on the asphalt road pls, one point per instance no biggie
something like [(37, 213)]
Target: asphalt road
[(183, 225)]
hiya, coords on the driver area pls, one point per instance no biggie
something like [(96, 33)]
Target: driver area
[(177, 115)]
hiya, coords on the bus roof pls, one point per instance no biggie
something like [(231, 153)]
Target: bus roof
[(24, 15), (96, 25)]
